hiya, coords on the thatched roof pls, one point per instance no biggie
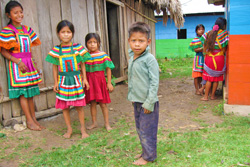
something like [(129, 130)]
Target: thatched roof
[(171, 7)]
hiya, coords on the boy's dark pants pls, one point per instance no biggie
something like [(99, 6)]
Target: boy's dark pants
[(146, 127)]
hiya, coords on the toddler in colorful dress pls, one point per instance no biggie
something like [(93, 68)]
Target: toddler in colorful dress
[(16, 41), (99, 89), (197, 47), (68, 60)]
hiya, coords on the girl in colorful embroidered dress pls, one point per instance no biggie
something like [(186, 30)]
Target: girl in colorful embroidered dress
[(67, 58), (215, 43), (99, 89), (197, 47), (16, 41)]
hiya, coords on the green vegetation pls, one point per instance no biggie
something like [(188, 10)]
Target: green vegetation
[(225, 144), (175, 68)]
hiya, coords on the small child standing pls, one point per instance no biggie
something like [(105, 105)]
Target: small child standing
[(99, 89), (143, 83), (16, 41), (67, 58), (198, 64)]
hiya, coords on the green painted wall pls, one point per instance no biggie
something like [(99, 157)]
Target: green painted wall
[(172, 48)]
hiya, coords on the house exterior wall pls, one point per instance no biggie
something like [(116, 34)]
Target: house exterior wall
[(167, 44), (238, 58)]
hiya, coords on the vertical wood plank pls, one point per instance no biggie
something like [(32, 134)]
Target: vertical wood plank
[(55, 17), (91, 15), (123, 61), (7, 110), (51, 99), (79, 19), (44, 21), (16, 108), (132, 4), (40, 102), (66, 10), (137, 16), (106, 37), (129, 20), (98, 21)]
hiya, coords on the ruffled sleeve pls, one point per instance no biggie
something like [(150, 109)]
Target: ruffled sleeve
[(204, 37), (99, 62), (82, 51), (53, 56), (35, 41), (8, 39), (196, 43), (223, 38)]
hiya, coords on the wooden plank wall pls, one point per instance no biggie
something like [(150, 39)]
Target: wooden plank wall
[(87, 16)]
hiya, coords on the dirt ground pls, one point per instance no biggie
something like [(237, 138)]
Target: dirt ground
[(180, 109)]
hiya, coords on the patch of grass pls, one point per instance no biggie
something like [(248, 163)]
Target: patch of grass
[(219, 109), (225, 144), (175, 68), (25, 145)]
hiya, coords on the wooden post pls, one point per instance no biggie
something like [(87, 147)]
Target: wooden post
[(16, 108), (7, 110), (66, 10)]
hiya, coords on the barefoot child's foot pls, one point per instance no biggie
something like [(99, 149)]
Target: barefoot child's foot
[(108, 128), (204, 99), (197, 92), (38, 124), (84, 133), (201, 91), (213, 98), (33, 126), (140, 161), (68, 134), (92, 126), (137, 156)]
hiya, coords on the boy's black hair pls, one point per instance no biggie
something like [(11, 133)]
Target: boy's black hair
[(10, 5), (139, 27), (92, 35), (65, 23), (199, 26)]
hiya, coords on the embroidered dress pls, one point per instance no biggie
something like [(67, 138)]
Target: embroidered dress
[(68, 58), (215, 61), (198, 58), (18, 41), (95, 67)]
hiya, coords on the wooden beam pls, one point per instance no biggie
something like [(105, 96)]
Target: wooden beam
[(116, 2)]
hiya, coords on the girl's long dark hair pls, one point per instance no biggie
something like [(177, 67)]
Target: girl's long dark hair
[(211, 36), (10, 5)]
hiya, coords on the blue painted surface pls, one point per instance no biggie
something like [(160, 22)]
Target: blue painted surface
[(239, 19), (170, 31)]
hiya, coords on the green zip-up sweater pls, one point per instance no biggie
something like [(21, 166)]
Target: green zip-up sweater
[(143, 79)]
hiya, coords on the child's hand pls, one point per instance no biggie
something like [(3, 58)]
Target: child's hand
[(55, 89), (110, 87), (23, 67), (147, 111), (86, 84)]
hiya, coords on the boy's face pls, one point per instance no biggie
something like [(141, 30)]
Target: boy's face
[(138, 42)]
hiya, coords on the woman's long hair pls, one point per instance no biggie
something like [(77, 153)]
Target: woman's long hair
[(211, 37)]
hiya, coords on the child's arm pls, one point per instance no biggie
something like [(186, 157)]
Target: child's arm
[(153, 73), (85, 81), (199, 49), (55, 75), (20, 64), (109, 85)]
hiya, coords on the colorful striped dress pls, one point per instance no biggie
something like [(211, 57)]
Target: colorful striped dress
[(216, 60), (18, 42), (68, 59), (95, 67), (198, 58)]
